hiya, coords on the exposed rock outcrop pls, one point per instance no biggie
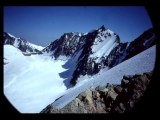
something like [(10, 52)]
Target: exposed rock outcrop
[(108, 98)]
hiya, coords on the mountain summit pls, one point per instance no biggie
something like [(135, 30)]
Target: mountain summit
[(97, 49), (90, 50), (102, 28)]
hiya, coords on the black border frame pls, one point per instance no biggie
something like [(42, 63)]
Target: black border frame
[(151, 98)]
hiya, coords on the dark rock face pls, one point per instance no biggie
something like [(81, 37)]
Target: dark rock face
[(125, 51), (87, 64), (19, 43), (131, 93), (8, 39), (83, 66), (120, 53), (144, 41), (108, 99), (117, 55), (66, 45)]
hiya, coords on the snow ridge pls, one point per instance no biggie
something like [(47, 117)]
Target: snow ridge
[(20, 43)]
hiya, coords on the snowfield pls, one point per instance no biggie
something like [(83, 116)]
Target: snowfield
[(33, 82)]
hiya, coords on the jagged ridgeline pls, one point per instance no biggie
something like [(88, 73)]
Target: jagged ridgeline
[(89, 52), (97, 49)]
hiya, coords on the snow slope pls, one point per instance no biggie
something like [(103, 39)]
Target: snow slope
[(36, 46), (143, 62), (31, 82), (11, 35), (103, 46), (19, 42)]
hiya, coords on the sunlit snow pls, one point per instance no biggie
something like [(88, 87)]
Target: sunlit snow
[(103, 45), (36, 46), (16, 43), (11, 35), (31, 82)]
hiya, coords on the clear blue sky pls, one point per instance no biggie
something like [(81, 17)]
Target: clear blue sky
[(41, 25)]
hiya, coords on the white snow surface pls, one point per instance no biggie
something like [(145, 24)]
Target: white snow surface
[(31, 82), (85, 33), (143, 62), (11, 35), (36, 46), (16, 43), (103, 46)]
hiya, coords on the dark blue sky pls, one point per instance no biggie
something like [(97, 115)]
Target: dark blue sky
[(41, 25)]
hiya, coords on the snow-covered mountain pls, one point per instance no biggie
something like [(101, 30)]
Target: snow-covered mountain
[(100, 48), (79, 59), (89, 49), (20, 43), (66, 45)]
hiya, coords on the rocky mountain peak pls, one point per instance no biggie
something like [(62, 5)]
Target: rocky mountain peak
[(97, 49), (102, 28), (20, 43)]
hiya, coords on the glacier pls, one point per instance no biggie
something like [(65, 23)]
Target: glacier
[(34, 82)]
